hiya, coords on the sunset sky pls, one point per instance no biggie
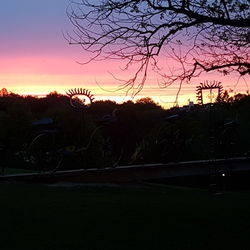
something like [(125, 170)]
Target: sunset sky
[(36, 59)]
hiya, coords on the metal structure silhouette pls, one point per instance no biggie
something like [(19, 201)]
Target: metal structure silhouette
[(211, 86), (76, 102), (208, 86)]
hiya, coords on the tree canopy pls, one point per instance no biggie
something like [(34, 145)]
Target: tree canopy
[(37, 133), (199, 35)]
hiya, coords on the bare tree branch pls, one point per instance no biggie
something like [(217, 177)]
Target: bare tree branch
[(212, 35)]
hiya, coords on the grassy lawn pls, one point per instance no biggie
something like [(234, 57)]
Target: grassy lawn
[(8, 171), (73, 218)]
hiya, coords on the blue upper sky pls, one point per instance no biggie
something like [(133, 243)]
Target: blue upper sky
[(29, 26)]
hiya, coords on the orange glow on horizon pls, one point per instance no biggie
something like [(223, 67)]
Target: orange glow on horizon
[(42, 75)]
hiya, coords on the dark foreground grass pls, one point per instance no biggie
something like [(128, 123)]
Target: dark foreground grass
[(68, 218), (10, 171)]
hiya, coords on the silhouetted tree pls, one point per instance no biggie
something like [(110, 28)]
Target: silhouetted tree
[(110, 133), (224, 98), (4, 92), (201, 36), (147, 103)]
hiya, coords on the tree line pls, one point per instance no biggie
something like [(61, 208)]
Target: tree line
[(47, 133)]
